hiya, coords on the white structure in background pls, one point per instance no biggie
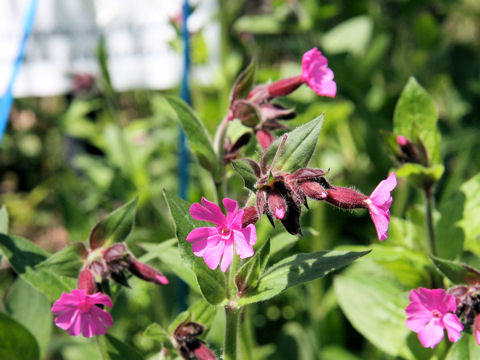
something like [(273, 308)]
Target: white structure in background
[(138, 34)]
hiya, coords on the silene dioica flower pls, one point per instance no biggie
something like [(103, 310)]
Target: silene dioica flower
[(216, 243), (430, 312)]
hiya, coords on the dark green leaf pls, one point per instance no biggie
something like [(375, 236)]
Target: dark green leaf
[(211, 282), (66, 262), (464, 349), (245, 169), (244, 82), (3, 220), (415, 113), (197, 135), (201, 312), (298, 269), (298, 148), (16, 342), (248, 275), (115, 227), (24, 255), (118, 350), (31, 308), (456, 272)]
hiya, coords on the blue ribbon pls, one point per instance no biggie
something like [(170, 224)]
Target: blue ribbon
[(7, 99)]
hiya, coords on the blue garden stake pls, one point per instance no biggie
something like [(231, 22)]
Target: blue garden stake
[(183, 172), (7, 99)]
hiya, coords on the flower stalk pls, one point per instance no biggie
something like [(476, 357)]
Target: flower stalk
[(231, 330)]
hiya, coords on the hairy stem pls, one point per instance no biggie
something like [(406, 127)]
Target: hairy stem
[(231, 331), (432, 244)]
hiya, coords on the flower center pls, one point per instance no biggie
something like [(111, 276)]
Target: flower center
[(85, 306), (436, 314), (224, 233)]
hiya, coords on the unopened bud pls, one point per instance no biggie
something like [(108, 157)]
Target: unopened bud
[(115, 252), (98, 270), (250, 216), (276, 204), (145, 272), (258, 94), (86, 281), (346, 198), (313, 190), (285, 86), (265, 138)]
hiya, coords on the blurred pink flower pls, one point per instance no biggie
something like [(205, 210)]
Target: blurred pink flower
[(476, 329), (317, 75), (429, 312), (78, 313), (216, 243), (378, 204)]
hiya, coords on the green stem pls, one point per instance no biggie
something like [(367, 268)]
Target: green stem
[(432, 244), (231, 330), (245, 336), (102, 347)]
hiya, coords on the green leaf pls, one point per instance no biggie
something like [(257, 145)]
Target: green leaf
[(246, 170), (244, 82), (169, 255), (459, 226), (248, 275), (197, 135), (118, 350), (464, 349), (115, 227), (374, 303), (419, 174), (31, 308), (298, 148), (416, 114), (66, 262), (352, 35), (456, 272), (211, 282), (3, 220), (157, 333), (200, 312), (16, 342), (24, 255), (296, 270), (282, 241)]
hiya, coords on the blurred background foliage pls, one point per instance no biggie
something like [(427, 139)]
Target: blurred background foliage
[(66, 161)]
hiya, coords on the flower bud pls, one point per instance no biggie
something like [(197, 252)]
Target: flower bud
[(98, 270), (346, 198), (145, 272), (265, 138), (250, 216), (115, 252), (285, 86), (313, 190), (86, 281), (276, 204)]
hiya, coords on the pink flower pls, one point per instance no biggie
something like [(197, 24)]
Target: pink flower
[(429, 312), (78, 313), (476, 329), (379, 205), (216, 243), (317, 75)]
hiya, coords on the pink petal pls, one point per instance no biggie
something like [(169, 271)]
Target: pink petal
[(381, 194), (232, 208), (86, 326), (208, 212), (99, 298), (103, 315), (213, 255), (201, 246), (66, 320), (431, 334), (201, 233), (380, 220), (453, 326), (316, 73), (250, 234), (417, 323), (227, 256), (242, 246), (75, 328)]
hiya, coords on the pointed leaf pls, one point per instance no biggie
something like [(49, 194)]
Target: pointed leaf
[(66, 262), (197, 135), (115, 227), (24, 255), (246, 169), (156, 332), (31, 308), (211, 282), (298, 148), (244, 82), (296, 270), (200, 312), (248, 275), (16, 342), (416, 111), (456, 272)]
